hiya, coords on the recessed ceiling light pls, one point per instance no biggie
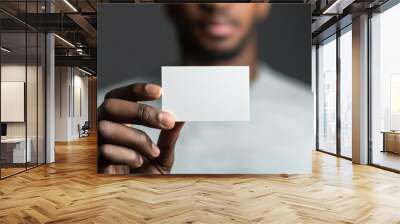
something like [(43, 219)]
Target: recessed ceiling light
[(5, 50), (70, 5), (84, 71), (64, 40), (337, 7)]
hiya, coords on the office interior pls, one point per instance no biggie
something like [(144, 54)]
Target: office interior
[(377, 92), (48, 83), (40, 86)]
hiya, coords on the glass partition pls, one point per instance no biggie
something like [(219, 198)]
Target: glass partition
[(346, 92), (31, 98), (22, 63), (14, 153), (41, 97), (334, 60), (327, 95)]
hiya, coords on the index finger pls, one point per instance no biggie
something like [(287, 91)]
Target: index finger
[(136, 92)]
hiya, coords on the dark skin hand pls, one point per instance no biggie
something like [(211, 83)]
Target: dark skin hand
[(123, 149)]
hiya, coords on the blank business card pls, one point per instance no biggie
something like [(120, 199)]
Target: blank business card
[(206, 93)]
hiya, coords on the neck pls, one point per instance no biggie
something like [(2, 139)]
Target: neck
[(247, 57)]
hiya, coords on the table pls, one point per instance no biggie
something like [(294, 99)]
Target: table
[(391, 141), (13, 150)]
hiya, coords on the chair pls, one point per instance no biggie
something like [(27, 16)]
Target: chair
[(84, 130)]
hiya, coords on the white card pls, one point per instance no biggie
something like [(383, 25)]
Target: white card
[(206, 93)]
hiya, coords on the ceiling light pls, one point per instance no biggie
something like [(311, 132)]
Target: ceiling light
[(79, 51), (70, 5), (65, 41), (329, 9), (84, 71), (5, 50), (337, 7)]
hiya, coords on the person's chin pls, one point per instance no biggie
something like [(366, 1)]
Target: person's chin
[(220, 47)]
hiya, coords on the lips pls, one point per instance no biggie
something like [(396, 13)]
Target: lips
[(219, 29)]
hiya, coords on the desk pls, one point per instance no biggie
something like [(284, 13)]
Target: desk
[(391, 141), (13, 150)]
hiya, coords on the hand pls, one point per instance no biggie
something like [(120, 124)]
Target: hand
[(124, 149)]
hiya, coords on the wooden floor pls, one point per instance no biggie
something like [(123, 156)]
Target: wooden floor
[(387, 159), (5, 172), (70, 191), (8, 171)]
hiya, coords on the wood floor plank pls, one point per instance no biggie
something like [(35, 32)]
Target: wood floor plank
[(70, 191)]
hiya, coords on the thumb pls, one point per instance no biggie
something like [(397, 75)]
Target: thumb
[(166, 143)]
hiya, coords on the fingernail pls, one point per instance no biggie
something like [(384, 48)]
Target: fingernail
[(166, 120), (140, 161), (156, 150), (152, 89)]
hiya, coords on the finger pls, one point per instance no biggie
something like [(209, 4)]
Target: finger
[(123, 111), (118, 134), (121, 155), (115, 169), (136, 92), (166, 143)]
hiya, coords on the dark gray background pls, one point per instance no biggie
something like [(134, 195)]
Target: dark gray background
[(135, 40)]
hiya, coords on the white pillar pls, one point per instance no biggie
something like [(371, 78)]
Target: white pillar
[(50, 99), (50, 92), (314, 90), (360, 90)]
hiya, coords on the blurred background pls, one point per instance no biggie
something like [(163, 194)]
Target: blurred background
[(135, 49)]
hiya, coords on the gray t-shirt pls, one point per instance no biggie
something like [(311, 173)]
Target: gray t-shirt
[(278, 139)]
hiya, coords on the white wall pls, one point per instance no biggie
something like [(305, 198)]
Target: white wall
[(80, 89), (70, 83), (17, 73), (33, 126), (62, 81), (14, 73), (12, 101)]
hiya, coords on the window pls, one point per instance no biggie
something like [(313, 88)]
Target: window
[(346, 92), (334, 106), (327, 95), (385, 88)]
